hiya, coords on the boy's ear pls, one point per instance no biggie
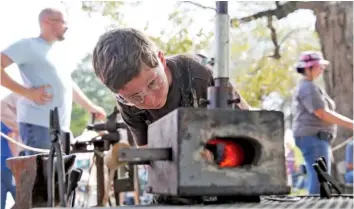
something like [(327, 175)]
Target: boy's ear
[(161, 56)]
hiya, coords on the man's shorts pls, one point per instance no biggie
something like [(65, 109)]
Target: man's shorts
[(34, 136)]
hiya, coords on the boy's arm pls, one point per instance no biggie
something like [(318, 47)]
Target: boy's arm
[(136, 125)]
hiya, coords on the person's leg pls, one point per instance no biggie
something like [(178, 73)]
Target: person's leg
[(130, 201), (299, 182), (3, 192), (312, 148), (35, 136), (294, 177), (7, 185), (349, 177)]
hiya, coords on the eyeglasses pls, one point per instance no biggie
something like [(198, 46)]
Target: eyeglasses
[(139, 98), (58, 20)]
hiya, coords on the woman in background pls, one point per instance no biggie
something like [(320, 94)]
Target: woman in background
[(314, 116)]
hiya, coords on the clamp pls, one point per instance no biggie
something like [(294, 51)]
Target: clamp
[(327, 182)]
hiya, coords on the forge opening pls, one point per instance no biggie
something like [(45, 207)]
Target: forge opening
[(229, 152)]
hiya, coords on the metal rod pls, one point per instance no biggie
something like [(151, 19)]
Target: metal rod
[(51, 177), (99, 179), (144, 155), (61, 175)]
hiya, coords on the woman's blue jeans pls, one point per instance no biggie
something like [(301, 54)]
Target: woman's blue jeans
[(312, 148), (6, 183)]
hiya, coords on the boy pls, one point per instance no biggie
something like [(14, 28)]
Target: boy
[(146, 83)]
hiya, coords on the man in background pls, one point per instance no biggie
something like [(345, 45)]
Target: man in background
[(47, 84)]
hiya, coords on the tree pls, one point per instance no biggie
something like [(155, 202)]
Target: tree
[(260, 71), (261, 74), (173, 40), (180, 40), (87, 80)]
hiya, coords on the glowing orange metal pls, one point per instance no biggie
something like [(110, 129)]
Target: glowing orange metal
[(233, 153)]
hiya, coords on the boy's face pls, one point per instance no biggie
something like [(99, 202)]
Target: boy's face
[(149, 89)]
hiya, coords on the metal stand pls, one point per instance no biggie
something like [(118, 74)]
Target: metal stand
[(100, 145), (55, 150)]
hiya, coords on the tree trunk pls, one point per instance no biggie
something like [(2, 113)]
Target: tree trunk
[(334, 26)]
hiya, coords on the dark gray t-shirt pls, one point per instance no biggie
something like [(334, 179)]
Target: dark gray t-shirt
[(306, 99)]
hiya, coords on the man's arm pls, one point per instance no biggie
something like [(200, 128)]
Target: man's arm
[(18, 53), (7, 81), (80, 98)]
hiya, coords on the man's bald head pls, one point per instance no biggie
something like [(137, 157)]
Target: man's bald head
[(48, 13), (52, 23)]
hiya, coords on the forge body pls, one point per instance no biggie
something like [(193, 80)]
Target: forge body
[(186, 130)]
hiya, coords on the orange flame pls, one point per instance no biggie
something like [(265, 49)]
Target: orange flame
[(233, 153)]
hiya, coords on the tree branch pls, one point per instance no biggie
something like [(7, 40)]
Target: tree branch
[(279, 12), (199, 5), (273, 34)]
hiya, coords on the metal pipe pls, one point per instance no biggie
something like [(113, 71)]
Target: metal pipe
[(50, 178), (222, 26), (220, 94), (100, 179)]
